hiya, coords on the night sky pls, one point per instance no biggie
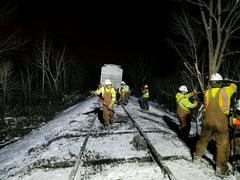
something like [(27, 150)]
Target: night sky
[(103, 33)]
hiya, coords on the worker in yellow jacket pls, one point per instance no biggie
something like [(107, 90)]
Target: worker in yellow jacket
[(145, 97), (121, 92), (109, 98), (184, 107), (127, 95), (215, 122)]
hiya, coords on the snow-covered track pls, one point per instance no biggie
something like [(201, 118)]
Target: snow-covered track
[(155, 155), (150, 155), (73, 140), (76, 166), (85, 160)]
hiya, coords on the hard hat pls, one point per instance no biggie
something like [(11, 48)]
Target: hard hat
[(216, 77), (183, 88), (122, 82), (107, 82), (146, 86)]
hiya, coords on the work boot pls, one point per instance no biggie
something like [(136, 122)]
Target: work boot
[(219, 172), (106, 124), (197, 159)]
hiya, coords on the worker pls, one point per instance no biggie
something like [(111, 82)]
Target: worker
[(109, 98), (121, 92), (144, 98), (126, 91), (184, 107), (215, 122)]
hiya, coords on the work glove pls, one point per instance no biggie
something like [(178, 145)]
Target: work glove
[(194, 92), (92, 92), (196, 102), (110, 106), (236, 121)]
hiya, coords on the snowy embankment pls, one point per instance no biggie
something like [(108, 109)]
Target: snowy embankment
[(51, 151)]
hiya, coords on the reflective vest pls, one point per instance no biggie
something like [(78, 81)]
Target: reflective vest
[(184, 102), (224, 97), (126, 88), (145, 93), (105, 89), (121, 89)]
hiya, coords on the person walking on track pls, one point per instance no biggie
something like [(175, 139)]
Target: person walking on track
[(183, 110), (121, 92), (215, 122), (144, 99), (109, 98), (126, 90)]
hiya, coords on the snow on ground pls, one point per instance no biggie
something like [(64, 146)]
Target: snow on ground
[(50, 152)]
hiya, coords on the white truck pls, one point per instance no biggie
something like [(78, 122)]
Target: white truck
[(112, 72)]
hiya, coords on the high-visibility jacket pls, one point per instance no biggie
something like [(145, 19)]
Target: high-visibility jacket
[(145, 93), (121, 89), (224, 97), (105, 89), (184, 102), (126, 88)]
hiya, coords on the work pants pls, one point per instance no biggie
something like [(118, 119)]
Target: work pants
[(126, 96), (107, 97), (122, 98), (184, 118), (145, 103), (215, 123)]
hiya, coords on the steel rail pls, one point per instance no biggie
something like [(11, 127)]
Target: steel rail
[(155, 155), (75, 168)]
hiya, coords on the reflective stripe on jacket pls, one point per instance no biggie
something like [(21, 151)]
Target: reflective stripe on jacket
[(105, 89), (145, 93), (224, 97), (184, 102)]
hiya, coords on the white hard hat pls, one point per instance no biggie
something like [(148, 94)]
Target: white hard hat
[(216, 77), (183, 88), (107, 82), (122, 82)]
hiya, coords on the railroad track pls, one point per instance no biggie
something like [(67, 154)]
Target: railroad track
[(154, 154), (85, 157)]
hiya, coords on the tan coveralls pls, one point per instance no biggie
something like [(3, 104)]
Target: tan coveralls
[(122, 95), (184, 120), (215, 122), (107, 97), (126, 90)]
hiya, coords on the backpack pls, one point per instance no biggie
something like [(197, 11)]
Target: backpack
[(139, 142)]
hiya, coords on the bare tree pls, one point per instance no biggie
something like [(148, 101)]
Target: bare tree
[(26, 72), (230, 68), (5, 74), (138, 69), (221, 22), (217, 24), (56, 69), (12, 41), (42, 55), (187, 47), (52, 64)]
